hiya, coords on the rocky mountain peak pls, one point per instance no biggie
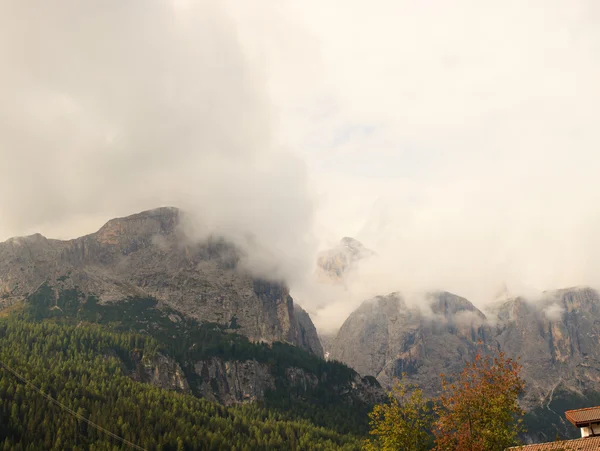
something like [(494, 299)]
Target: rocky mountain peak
[(160, 221), (145, 256), (37, 239), (554, 334), (448, 305), (333, 265), (351, 243), (390, 335), (577, 298), (503, 293)]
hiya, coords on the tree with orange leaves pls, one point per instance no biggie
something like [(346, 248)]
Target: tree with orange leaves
[(479, 411)]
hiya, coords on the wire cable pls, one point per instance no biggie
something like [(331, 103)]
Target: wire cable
[(69, 410)]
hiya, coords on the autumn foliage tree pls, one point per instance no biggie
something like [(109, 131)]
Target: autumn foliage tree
[(402, 423), (479, 411)]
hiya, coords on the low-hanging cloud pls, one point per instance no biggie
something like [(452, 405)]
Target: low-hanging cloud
[(457, 140), (112, 107), (554, 312)]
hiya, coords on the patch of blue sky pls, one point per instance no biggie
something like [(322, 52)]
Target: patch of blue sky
[(352, 131)]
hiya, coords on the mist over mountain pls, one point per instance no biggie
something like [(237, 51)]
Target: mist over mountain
[(553, 337), (141, 105), (454, 148), (148, 268), (263, 124), (149, 255)]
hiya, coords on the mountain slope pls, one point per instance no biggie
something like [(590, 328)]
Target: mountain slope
[(309, 338), (211, 361), (385, 337), (85, 367), (149, 255), (555, 339)]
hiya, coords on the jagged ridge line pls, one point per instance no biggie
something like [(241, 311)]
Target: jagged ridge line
[(69, 410)]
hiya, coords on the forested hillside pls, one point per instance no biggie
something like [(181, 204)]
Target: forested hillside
[(83, 366), (294, 380)]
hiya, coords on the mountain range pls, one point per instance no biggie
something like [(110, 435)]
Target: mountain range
[(229, 336), (150, 255), (223, 334), (555, 337)]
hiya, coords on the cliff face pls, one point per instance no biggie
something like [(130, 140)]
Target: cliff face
[(308, 335), (232, 382), (162, 371), (334, 265), (150, 255), (385, 337), (556, 339)]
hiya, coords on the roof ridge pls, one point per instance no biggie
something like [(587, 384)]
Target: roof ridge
[(585, 408), (548, 445)]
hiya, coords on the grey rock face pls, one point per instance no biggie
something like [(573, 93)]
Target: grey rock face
[(309, 338), (150, 255), (555, 339), (385, 338), (232, 382), (334, 264), (162, 371), (300, 378)]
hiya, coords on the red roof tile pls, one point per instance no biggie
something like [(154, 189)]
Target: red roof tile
[(579, 444), (582, 417)]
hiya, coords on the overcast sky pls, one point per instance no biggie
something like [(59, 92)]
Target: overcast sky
[(458, 139)]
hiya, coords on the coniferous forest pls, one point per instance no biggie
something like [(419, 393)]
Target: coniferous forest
[(84, 354), (78, 365)]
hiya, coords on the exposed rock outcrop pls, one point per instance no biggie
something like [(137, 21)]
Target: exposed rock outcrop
[(385, 337), (334, 265), (233, 381), (555, 339), (150, 254), (309, 338), (162, 371)]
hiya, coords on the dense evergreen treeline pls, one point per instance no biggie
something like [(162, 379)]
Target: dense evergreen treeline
[(184, 339), (82, 367), (80, 352), (188, 341)]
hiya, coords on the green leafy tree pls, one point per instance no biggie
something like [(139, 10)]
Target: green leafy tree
[(480, 411), (401, 423)]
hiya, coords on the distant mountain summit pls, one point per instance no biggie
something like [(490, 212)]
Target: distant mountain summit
[(387, 336), (333, 265), (555, 337), (502, 294), (149, 255)]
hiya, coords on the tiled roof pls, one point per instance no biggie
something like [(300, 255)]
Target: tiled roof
[(579, 444), (582, 417)]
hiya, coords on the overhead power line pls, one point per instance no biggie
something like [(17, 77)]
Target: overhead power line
[(69, 410)]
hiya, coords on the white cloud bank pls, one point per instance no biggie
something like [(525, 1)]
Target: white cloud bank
[(457, 139), (466, 132), (112, 107)]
